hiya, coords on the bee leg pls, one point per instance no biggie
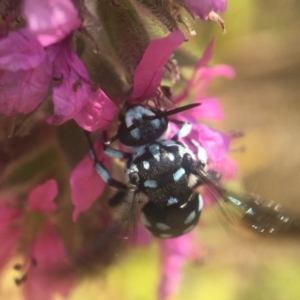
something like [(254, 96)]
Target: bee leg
[(183, 131), (101, 170), (112, 152)]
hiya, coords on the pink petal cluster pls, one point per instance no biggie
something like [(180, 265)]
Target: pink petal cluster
[(46, 249), (31, 57), (215, 143), (75, 96), (202, 8)]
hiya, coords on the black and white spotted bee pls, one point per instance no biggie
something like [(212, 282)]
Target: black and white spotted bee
[(163, 176)]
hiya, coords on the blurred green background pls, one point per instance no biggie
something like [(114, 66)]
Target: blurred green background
[(262, 44)]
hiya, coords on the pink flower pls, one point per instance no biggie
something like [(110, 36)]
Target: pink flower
[(27, 68), (75, 96), (202, 8), (174, 253), (46, 256), (202, 77), (215, 143), (86, 184), (47, 276), (148, 74), (51, 20), (25, 73)]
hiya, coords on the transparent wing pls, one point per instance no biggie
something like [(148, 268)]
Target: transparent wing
[(252, 211), (123, 222), (263, 216)]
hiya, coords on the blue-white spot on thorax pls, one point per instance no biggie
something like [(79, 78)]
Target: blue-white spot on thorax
[(178, 174), (136, 133), (146, 165), (172, 200), (154, 149), (150, 184), (137, 113), (171, 156), (156, 123)]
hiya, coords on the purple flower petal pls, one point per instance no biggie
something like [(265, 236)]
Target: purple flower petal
[(206, 74), (202, 8), (41, 198), (203, 76), (75, 96), (148, 73), (20, 51), (174, 253), (210, 109), (98, 112), (86, 184), (22, 91), (215, 143), (51, 20), (50, 275), (75, 90)]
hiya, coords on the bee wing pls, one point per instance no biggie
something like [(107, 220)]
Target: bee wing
[(264, 216), (122, 222), (251, 210)]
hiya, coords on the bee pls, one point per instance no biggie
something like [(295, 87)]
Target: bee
[(163, 176)]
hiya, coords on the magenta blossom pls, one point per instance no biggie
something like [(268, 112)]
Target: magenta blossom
[(214, 142), (201, 79), (31, 57), (51, 20), (202, 8), (25, 73), (48, 277), (174, 253), (86, 184), (46, 254), (75, 97), (149, 72)]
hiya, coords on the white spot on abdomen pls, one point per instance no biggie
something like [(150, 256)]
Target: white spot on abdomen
[(162, 226), (190, 217)]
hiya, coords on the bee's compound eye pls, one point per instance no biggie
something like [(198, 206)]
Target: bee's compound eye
[(187, 159), (134, 178)]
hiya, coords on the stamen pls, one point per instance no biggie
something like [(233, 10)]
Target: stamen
[(213, 16)]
